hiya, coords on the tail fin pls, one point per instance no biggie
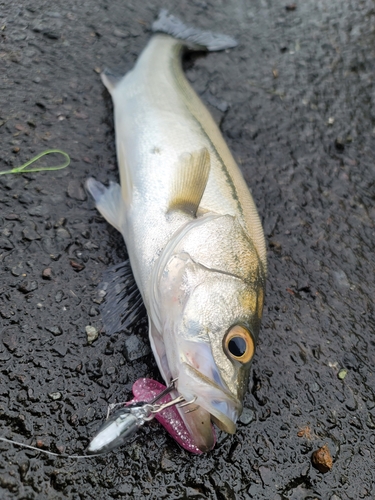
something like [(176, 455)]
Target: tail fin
[(172, 25)]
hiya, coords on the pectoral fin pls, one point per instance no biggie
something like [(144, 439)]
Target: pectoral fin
[(190, 181)]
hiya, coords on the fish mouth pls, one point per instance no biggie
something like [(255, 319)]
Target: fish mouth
[(210, 402)]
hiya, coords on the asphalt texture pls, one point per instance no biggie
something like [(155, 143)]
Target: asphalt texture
[(296, 104)]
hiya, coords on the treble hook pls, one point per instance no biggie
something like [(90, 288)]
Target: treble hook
[(159, 396)]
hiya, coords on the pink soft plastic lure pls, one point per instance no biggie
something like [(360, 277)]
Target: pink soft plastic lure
[(145, 389)]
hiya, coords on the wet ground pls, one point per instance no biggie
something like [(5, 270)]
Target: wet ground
[(296, 104)]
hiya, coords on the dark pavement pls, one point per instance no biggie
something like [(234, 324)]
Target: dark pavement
[(296, 104)]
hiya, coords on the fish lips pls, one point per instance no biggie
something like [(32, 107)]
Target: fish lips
[(215, 403)]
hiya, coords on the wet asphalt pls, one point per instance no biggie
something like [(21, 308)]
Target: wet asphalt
[(296, 104)]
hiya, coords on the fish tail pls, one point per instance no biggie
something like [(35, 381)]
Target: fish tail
[(193, 37)]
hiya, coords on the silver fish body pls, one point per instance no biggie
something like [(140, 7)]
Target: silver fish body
[(193, 236)]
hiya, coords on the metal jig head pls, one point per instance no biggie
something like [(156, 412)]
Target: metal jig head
[(125, 422)]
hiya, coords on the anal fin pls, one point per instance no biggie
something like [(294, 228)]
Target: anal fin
[(190, 181)]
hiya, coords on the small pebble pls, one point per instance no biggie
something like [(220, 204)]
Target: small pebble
[(322, 459), (339, 144), (93, 311), (100, 296), (76, 191), (60, 222), (39, 211), (92, 333), (305, 432), (27, 286), (30, 234), (55, 330), (342, 374), (247, 416), (135, 348), (62, 233), (77, 266), (47, 273), (55, 395), (167, 465)]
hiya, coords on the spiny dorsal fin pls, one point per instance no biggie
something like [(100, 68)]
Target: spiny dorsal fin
[(190, 181)]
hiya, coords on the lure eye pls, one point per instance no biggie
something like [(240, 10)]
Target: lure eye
[(239, 344)]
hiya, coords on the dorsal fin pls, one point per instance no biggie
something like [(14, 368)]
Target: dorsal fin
[(189, 182)]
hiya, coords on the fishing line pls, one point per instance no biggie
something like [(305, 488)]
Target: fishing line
[(62, 455), (23, 168)]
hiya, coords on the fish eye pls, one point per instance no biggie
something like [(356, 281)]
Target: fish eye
[(239, 344)]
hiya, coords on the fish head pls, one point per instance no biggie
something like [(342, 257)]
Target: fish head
[(210, 291)]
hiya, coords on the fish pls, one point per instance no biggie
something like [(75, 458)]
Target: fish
[(192, 231)]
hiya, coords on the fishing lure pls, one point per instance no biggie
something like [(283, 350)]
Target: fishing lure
[(124, 423)]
